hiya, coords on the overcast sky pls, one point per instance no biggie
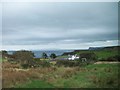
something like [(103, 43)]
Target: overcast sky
[(59, 25)]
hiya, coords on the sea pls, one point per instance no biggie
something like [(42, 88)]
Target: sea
[(38, 53)]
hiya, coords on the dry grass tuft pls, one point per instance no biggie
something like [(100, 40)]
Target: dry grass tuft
[(10, 65)]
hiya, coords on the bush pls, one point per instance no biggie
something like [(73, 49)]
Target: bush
[(44, 63), (53, 56), (25, 66), (67, 63), (44, 55), (113, 58), (24, 57), (88, 56), (4, 54), (101, 59)]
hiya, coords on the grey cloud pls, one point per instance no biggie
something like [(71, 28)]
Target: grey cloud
[(70, 23), (64, 15)]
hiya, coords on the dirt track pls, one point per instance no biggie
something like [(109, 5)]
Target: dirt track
[(105, 62)]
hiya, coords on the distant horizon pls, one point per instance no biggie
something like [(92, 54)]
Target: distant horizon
[(59, 49)]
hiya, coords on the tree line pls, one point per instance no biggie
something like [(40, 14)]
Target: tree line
[(26, 54), (26, 58), (45, 56)]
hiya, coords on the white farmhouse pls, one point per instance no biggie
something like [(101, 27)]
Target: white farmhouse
[(73, 57)]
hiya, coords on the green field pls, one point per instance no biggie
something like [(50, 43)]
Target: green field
[(102, 53), (95, 76), (91, 76)]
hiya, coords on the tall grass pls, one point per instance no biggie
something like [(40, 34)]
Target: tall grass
[(13, 74), (96, 75)]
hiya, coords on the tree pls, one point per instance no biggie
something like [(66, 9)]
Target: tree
[(4, 53), (44, 55), (53, 56)]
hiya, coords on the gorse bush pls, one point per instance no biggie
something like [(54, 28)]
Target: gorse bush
[(88, 56), (113, 58), (25, 58), (67, 63), (23, 55), (73, 63), (42, 63)]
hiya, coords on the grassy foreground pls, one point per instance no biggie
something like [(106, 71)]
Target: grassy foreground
[(91, 76)]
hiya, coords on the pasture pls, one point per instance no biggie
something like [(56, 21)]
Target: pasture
[(91, 76), (45, 73)]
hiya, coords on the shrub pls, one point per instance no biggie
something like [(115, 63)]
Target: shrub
[(4, 54), (53, 56), (113, 58), (88, 56), (24, 57), (44, 63), (37, 59), (67, 63), (25, 66), (44, 55), (101, 59)]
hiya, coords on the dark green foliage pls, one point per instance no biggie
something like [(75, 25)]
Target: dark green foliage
[(73, 63), (68, 53), (36, 59), (41, 63), (44, 55), (53, 56), (113, 58), (44, 63), (10, 59), (117, 57), (24, 57), (101, 59), (88, 56), (4, 53), (68, 63), (25, 66)]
